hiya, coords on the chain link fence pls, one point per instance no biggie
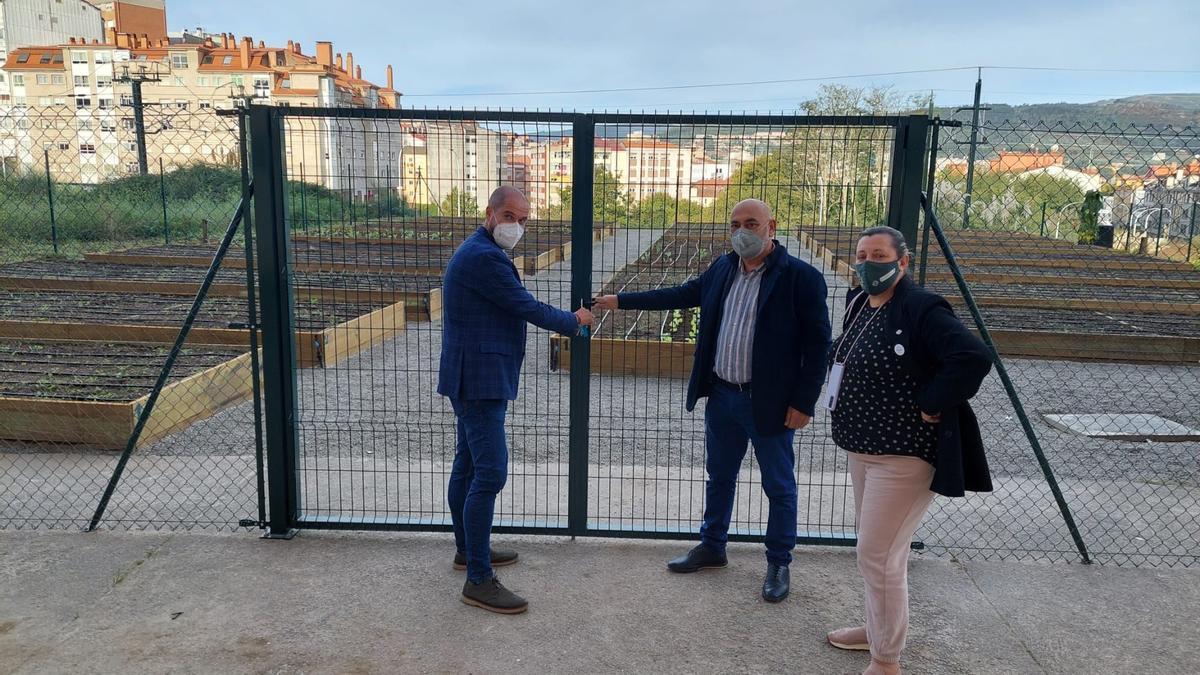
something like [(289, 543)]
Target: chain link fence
[(1079, 244)]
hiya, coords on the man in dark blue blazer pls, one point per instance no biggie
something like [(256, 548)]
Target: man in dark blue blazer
[(760, 359), (485, 309)]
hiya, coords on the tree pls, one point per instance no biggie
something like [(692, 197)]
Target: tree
[(459, 204), (609, 203), (839, 99)]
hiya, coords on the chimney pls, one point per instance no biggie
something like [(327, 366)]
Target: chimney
[(145, 41), (246, 42), (389, 78), (262, 45), (350, 63), (339, 61), (358, 72), (325, 53), (123, 40), (70, 41), (291, 46), (298, 49), (110, 36)]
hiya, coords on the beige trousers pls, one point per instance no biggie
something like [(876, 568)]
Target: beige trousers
[(891, 495)]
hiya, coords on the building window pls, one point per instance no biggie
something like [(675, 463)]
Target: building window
[(227, 61), (126, 100), (103, 82), (206, 105), (83, 102), (105, 104), (23, 58), (178, 82), (64, 146), (182, 105), (18, 80), (108, 125), (45, 101), (262, 87), (85, 125), (81, 80), (179, 60), (127, 123), (58, 58), (131, 146), (43, 79), (87, 149), (58, 79), (79, 57), (202, 81), (45, 58), (103, 57), (217, 81), (60, 101)]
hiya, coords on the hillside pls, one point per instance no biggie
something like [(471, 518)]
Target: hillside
[(1176, 110)]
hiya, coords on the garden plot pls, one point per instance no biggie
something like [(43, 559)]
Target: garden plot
[(656, 343), (325, 331), (420, 293), (1046, 298), (89, 393)]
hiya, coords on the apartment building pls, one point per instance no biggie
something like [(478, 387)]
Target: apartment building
[(146, 18), (657, 166), (71, 105), (43, 22)]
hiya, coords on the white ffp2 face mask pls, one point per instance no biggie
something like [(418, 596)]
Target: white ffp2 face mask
[(508, 234)]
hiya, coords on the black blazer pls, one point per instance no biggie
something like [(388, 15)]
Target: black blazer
[(949, 364), (791, 335)]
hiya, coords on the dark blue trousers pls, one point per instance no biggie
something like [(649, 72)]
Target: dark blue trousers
[(479, 473), (729, 427)]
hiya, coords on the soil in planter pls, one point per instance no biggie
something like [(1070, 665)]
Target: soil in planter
[(161, 310), (95, 371)]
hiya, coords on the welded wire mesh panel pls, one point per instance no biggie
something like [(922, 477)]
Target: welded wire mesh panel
[(101, 258), (1080, 246), (377, 206), (665, 192)]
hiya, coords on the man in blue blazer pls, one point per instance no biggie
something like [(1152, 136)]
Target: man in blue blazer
[(485, 309), (760, 360)]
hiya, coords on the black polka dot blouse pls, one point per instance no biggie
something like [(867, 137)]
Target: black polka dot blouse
[(876, 411)]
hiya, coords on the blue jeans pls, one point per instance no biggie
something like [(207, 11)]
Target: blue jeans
[(728, 427), (479, 473)]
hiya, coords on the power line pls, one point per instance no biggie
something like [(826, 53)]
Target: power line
[(694, 86), (716, 85)]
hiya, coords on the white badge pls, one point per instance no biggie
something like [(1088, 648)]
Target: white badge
[(835, 385), (899, 349)]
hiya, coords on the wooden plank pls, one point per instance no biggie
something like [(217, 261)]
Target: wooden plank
[(239, 263), (195, 398), (58, 330), (349, 338), (1094, 304), (1066, 263), (629, 357), (1048, 280), (1093, 347), (88, 424)]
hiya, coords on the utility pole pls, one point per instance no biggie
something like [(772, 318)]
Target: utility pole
[(966, 222), (135, 79)]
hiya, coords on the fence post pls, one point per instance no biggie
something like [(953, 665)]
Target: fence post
[(50, 198), (1191, 231), (278, 343), (1129, 225), (162, 193), (1043, 229), (1158, 235), (929, 189), (908, 162), (583, 131)]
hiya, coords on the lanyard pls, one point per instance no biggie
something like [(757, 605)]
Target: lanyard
[(861, 332)]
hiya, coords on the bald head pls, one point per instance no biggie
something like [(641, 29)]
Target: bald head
[(751, 207), (507, 205)]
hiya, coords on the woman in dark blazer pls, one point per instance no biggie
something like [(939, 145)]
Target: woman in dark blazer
[(900, 377)]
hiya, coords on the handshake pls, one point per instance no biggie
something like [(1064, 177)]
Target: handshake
[(604, 302)]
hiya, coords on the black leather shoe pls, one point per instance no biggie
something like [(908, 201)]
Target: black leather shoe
[(500, 558), (777, 584), (699, 558)]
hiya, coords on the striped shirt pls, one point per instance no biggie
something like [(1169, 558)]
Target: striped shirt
[(735, 342)]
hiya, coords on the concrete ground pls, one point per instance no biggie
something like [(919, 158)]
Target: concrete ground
[(360, 603)]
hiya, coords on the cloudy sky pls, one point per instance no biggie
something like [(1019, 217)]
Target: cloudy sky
[(763, 55)]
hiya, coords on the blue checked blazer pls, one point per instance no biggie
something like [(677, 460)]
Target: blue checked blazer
[(485, 308)]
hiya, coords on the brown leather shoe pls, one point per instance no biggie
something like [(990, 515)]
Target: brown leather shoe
[(493, 596)]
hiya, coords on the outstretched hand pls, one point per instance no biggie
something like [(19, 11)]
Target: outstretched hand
[(796, 419), (605, 302)]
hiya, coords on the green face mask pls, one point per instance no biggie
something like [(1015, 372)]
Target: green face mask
[(877, 277)]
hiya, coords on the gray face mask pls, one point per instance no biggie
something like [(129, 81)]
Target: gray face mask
[(747, 244)]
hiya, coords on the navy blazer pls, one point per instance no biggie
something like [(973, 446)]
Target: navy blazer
[(791, 333), (948, 364), (485, 308)]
